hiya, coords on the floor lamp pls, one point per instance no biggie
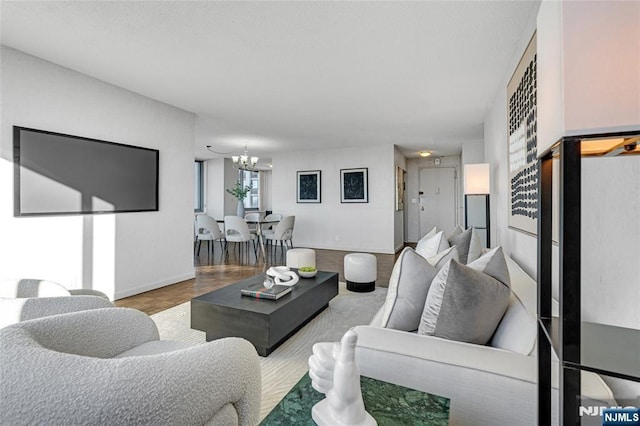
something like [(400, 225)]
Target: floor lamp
[(476, 199)]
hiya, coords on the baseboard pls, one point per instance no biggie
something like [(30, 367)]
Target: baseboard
[(154, 285)]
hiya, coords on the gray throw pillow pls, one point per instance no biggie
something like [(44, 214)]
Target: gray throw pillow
[(469, 245), (407, 292), (457, 230), (467, 302), (441, 259)]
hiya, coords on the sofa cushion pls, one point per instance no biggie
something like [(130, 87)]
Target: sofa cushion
[(466, 302), (517, 330), (408, 287), (431, 246), (469, 245)]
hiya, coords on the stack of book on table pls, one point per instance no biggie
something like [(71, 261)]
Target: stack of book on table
[(260, 292)]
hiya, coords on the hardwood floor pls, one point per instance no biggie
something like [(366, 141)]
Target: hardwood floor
[(214, 272)]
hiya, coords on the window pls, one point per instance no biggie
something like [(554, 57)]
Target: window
[(198, 199), (252, 201)]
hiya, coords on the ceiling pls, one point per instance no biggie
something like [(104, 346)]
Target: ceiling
[(292, 75)]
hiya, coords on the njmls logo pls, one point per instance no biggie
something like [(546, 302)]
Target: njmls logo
[(621, 416), (612, 416)]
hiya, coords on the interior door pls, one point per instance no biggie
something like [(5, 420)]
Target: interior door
[(437, 199)]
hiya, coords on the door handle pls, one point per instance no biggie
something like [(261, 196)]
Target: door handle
[(422, 208)]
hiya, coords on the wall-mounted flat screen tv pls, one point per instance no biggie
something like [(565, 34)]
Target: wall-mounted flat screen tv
[(58, 174)]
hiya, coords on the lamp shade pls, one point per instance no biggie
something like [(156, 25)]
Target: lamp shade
[(476, 178)]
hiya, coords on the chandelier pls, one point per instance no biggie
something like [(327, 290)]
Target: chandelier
[(244, 162), (240, 162)]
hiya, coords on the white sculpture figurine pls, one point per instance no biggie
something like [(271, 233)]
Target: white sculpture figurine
[(282, 275), (334, 372)]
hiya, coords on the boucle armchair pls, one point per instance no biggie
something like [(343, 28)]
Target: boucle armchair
[(30, 287), (25, 299), (108, 366)]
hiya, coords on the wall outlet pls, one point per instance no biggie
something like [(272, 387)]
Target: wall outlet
[(337, 238), (437, 161)]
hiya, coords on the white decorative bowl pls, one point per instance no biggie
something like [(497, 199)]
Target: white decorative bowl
[(307, 274)]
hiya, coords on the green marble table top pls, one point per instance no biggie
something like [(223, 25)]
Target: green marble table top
[(389, 404)]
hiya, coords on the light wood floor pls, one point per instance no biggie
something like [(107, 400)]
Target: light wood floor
[(214, 272)]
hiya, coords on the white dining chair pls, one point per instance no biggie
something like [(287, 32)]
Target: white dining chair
[(253, 217), (207, 229), (237, 231), (283, 233), (268, 228)]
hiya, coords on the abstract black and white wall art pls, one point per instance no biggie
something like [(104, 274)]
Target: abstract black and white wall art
[(523, 152), (308, 187), (354, 185)]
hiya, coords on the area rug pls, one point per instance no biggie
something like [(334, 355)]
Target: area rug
[(283, 367)]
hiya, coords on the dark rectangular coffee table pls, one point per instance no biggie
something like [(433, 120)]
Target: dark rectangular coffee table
[(265, 323)]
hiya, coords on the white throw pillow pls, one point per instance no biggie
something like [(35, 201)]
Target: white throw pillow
[(431, 233), (407, 292), (428, 247), (467, 302)]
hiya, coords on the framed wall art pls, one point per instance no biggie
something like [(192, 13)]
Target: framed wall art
[(522, 141), (308, 187), (354, 185), (400, 188)]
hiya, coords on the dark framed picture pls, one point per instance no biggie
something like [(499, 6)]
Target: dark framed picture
[(308, 188), (354, 185)]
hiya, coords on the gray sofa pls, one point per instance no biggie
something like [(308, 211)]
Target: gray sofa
[(108, 366), (493, 384)]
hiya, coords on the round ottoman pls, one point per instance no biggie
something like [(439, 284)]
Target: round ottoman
[(299, 257), (360, 271)]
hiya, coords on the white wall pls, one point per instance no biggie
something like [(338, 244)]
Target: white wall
[(611, 187), (266, 190), (399, 217), (121, 254), (330, 224), (220, 176), (588, 68), (214, 177), (472, 152), (414, 165)]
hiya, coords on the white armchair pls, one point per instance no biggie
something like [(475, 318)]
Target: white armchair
[(493, 384), (25, 299), (107, 366)]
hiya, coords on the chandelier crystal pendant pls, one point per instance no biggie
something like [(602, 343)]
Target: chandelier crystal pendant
[(244, 162)]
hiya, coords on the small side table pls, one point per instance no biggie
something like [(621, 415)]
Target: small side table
[(360, 272), (389, 404)]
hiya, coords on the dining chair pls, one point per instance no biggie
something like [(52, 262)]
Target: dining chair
[(237, 231), (253, 217), (283, 233), (207, 229), (268, 228)]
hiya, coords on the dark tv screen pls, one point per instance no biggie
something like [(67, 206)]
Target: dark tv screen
[(58, 174)]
